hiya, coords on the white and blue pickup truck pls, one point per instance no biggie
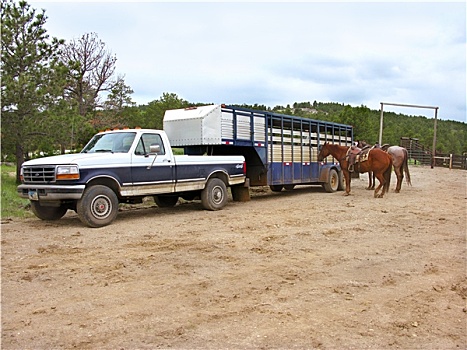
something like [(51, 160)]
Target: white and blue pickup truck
[(124, 166)]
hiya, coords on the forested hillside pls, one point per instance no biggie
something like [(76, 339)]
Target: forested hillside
[(451, 135)]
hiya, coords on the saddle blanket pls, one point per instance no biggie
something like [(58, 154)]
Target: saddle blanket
[(356, 155), (362, 157)]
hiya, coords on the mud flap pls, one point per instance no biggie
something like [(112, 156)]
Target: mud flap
[(241, 193)]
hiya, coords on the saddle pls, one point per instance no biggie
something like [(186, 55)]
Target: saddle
[(383, 147), (356, 155)]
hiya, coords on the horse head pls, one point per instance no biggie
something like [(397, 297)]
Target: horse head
[(361, 143), (323, 152)]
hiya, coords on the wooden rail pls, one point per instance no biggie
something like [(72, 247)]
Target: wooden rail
[(420, 154)]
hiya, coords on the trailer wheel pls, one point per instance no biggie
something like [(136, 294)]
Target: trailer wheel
[(276, 188), (98, 206), (214, 195), (289, 187), (166, 201), (333, 181), (47, 213)]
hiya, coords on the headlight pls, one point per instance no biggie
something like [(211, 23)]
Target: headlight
[(67, 172)]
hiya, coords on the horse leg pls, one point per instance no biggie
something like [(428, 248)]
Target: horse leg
[(371, 181), (347, 181), (382, 181), (400, 177)]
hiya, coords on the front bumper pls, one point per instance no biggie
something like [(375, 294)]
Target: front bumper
[(50, 192)]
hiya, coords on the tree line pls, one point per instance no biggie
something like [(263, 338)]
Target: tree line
[(55, 95)]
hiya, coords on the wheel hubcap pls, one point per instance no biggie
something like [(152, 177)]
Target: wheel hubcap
[(101, 207), (217, 195)]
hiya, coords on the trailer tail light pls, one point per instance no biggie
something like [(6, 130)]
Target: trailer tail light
[(244, 168)]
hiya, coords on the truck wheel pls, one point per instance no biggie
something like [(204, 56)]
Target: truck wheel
[(333, 181), (98, 206), (289, 187), (276, 188), (214, 195), (166, 201), (47, 213)]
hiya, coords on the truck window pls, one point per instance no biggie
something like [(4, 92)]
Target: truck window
[(118, 142), (145, 143), (123, 143)]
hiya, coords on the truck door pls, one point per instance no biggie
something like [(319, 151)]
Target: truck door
[(152, 173)]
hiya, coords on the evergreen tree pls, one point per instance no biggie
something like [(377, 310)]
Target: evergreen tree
[(154, 113), (30, 74)]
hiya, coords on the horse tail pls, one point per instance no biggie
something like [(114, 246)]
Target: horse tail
[(406, 167), (387, 175)]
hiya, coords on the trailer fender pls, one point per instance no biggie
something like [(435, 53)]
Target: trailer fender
[(324, 174)]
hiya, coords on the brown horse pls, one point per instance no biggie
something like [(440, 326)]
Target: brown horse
[(379, 162), (400, 161)]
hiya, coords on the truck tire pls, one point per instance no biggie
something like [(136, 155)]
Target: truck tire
[(276, 188), (332, 184), (98, 206), (289, 187), (47, 213), (214, 195), (166, 201)]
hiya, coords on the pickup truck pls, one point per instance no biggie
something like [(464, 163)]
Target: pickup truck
[(124, 166)]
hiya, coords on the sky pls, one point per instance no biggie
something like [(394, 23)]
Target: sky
[(278, 53)]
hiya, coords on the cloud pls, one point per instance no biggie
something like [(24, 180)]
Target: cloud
[(279, 53)]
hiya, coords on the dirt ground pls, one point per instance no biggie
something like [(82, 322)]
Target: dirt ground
[(293, 270)]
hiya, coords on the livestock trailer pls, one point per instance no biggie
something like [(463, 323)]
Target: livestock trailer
[(281, 151)]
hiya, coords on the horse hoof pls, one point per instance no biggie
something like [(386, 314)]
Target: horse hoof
[(346, 194)]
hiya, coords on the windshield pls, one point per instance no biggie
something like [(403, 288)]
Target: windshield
[(118, 142)]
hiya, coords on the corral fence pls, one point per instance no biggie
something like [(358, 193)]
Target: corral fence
[(420, 154)]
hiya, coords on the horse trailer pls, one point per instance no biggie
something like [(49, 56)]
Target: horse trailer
[(281, 151)]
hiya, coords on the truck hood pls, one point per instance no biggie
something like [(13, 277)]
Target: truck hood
[(81, 159)]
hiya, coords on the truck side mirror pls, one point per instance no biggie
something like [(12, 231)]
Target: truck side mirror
[(154, 148)]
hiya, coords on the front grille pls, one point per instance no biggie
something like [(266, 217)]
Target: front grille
[(39, 174)]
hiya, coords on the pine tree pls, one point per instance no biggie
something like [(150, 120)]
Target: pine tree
[(29, 71)]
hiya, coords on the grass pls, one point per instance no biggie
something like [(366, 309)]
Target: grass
[(12, 206)]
